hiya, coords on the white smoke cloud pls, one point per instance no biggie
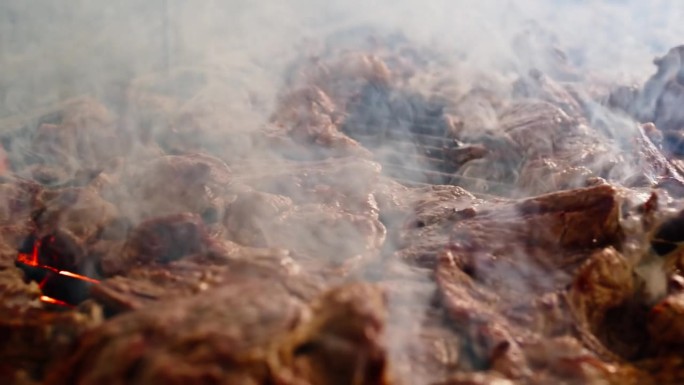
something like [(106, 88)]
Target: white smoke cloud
[(52, 49)]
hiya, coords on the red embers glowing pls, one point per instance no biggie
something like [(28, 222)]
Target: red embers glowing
[(53, 301), (32, 259)]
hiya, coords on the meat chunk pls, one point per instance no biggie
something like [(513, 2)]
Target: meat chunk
[(343, 342), (665, 321), (34, 338), (219, 265), (346, 183), (84, 134), (160, 240), (539, 86), (340, 230), (249, 332), (20, 202), (662, 93), (79, 211), (72, 219), (504, 274), (175, 184), (602, 283), (336, 237), (427, 221), (223, 337)]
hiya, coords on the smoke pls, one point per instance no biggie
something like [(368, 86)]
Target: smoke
[(51, 50), (249, 52)]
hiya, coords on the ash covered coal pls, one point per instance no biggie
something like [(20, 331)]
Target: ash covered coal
[(397, 216)]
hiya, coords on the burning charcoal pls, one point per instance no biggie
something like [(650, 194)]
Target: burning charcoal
[(68, 289), (671, 231), (62, 251)]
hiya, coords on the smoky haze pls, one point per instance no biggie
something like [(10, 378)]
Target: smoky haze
[(54, 50), (50, 50)]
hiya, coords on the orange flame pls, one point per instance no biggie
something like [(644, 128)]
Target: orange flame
[(31, 259), (53, 301), (78, 276)]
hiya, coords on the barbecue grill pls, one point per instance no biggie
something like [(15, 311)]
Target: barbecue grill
[(364, 209)]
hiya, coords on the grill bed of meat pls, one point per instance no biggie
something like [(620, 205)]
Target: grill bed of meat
[(383, 227)]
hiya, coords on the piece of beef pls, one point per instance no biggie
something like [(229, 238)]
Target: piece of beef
[(165, 239), (343, 342), (248, 217), (85, 135), (252, 332), (536, 85), (334, 236), (477, 113), (604, 282), (552, 144), (665, 321), (654, 166), (20, 202), (308, 116), (218, 266), (81, 212), (226, 336), (17, 294), (421, 347), (426, 223), (71, 220), (33, 338), (173, 184), (325, 210), (504, 278), (658, 100), (346, 183)]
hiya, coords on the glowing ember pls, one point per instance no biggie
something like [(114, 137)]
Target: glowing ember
[(53, 301), (81, 277), (32, 259)]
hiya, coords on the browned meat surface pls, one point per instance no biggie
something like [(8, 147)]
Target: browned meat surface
[(505, 276), (226, 337), (665, 321), (428, 221), (385, 222), (153, 188), (214, 267), (250, 332)]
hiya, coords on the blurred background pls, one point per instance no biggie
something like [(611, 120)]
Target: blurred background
[(51, 50)]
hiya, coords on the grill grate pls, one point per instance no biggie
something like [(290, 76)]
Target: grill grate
[(412, 138)]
